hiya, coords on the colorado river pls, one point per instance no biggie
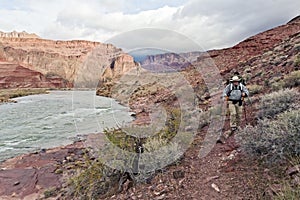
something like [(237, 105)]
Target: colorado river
[(55, 119)]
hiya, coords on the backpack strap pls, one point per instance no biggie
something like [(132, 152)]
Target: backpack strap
[(240, 87), (230, 89)]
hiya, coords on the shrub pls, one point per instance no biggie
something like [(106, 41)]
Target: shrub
[(292, 80), (273, 139), (155, 143), (255, 89), (297, 60), (50, 193), (289, 191), (279, 85), (94, 181), (278, 102)]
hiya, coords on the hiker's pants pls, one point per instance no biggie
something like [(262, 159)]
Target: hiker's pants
[(235, 114)]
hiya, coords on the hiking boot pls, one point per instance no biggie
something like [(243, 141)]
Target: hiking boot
[(227, 134)]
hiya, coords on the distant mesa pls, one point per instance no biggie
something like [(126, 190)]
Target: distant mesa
[(15, 34)]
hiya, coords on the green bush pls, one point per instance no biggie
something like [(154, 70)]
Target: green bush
[(278, 102), (272, 139)]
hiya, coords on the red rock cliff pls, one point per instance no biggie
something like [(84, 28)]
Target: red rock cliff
[(16, 76), (64, 59)]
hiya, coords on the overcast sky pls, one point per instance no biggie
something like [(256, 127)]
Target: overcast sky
[(212, 24)]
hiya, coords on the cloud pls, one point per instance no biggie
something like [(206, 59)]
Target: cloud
[(228, 22), (209, 23), (154, 39)]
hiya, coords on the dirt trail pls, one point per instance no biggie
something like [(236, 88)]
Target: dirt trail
[(225, 173)]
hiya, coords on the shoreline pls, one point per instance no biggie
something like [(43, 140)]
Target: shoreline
[(10, 94), (7, 95), (30, 170)]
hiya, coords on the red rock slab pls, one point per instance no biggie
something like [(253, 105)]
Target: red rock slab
[(30, 174), (23, 182)]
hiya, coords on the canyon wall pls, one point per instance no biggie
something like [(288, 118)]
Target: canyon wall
[(66, 60)]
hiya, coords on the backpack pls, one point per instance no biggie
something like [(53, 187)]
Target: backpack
[(235, 94)]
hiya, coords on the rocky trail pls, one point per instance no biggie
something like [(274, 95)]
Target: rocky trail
[(225, 173)]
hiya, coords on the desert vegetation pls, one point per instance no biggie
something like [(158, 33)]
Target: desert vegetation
[(94, 179), (275, 139), (7, 94)]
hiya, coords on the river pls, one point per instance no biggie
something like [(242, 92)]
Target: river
[(55, 119)]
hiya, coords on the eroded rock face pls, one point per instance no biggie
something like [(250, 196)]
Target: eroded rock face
[(74, 61), (119, 66), (16, 76)]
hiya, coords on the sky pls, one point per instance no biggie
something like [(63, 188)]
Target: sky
[(211, 24)]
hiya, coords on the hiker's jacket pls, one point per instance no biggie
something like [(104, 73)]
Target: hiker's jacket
[(234, 93)]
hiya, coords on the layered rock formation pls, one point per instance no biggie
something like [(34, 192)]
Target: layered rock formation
[(172, 60), (16, 76), (16, 34), (73, 61)]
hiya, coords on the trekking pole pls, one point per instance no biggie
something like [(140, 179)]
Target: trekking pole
[(227, 106), (245, 114), (249, 100)]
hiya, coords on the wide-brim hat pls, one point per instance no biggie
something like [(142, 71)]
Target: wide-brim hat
[(235, 78)]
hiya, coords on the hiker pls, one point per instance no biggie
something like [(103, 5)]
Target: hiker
[(234, 93)]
